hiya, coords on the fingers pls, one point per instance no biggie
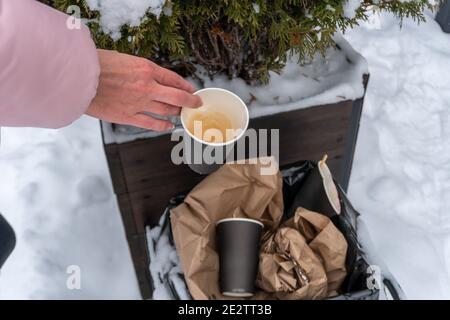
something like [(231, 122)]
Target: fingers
[(147, 122), (176, 97), (162, 109), (172, 79)]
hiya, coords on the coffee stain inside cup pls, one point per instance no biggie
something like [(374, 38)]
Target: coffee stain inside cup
[(211, 126)]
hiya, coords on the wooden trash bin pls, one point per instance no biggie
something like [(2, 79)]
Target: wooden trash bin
[(144, 177)]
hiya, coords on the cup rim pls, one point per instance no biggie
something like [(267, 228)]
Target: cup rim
[(219, 144), (238, 295), (240, 219)]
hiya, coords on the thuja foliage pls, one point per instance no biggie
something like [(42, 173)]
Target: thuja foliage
[(239, 38)]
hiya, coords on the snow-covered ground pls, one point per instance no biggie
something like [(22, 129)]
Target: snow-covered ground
[(56, 191), (401, 175)]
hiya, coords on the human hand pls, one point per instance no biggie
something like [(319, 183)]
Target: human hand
[(130, 86)]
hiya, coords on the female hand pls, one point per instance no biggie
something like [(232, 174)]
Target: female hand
[(129, 86)]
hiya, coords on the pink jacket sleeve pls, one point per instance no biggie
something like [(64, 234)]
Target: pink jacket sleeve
[(48, 72)]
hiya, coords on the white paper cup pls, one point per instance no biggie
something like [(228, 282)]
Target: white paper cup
[(223, 101)]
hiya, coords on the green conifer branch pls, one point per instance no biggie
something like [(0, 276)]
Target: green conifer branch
[(239, 38)]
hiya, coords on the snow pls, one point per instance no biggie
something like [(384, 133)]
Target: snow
[(116, 13), (401, 174), (350, 8), (164, 261), (256, 7), (56, 191), (325, 80)]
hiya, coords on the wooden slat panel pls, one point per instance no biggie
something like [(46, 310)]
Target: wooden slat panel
[(138, 248), (148, 204), (128, 214), (304, 134), (115, 167)]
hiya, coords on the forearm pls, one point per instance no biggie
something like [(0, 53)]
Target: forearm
[(48, 72)]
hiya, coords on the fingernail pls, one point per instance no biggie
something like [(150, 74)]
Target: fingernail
[(200, 101)]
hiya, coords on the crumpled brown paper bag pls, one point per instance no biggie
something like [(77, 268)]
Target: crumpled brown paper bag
[(303, 259), (235, 190)]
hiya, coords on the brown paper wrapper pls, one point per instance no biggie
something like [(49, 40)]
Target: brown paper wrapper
[(303, 259), (239, 190)]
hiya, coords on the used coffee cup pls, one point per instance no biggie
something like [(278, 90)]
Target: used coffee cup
[(211, 131), (318, 192), (238, 243)]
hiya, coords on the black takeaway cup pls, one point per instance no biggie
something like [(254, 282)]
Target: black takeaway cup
[(238, 245)]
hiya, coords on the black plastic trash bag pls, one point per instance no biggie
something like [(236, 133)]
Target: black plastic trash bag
[(303, 187)]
